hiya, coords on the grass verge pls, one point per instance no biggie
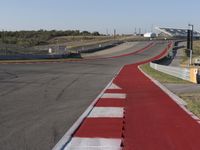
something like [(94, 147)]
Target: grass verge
[(197, 47), (196, 53), (193, 102)]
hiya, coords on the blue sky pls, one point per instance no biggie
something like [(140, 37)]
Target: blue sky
[(98, 15)]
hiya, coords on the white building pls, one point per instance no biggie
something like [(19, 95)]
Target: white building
[(173, 32), (150, 35)]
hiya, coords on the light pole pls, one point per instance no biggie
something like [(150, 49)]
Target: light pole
[(191, 25), (191, 42), (57, 43), (114, 34)]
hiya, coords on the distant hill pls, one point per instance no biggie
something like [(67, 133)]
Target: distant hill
[(40, 37)]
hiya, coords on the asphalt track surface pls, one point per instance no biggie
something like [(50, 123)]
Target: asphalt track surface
[(40, 102), (151, 120), (121, 49)]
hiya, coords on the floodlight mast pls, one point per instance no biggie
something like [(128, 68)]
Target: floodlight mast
[(191, 43)]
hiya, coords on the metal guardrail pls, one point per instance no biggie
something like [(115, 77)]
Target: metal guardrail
[(183, 73), (30, 56), (95, 47), (189, 74)]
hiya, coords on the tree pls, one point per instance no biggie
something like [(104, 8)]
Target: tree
[(95, 34)]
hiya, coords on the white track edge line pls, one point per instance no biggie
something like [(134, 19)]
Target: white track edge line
[(67, 136), (181, 103)]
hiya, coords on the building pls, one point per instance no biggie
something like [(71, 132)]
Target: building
[(172, 32), (150, 35)]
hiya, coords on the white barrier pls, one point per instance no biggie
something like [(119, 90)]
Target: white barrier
[(183, 73)]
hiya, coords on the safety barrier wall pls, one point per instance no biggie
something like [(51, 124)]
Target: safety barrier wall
[(30, 56), (96, 47), (189, 74)]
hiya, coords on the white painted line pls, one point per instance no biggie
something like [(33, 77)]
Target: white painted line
[(93, 144), (107, 112), (113, 86), (68, 135), (114, 95)]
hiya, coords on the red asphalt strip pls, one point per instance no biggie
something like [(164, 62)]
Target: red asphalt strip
[(114, 91), (101, 128), (110, 103), (153, 121)]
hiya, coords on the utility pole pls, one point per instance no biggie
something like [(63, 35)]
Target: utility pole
[(152, 28), (135, 31), (57, 42), (140, 31), (114, 33), (107, 32)]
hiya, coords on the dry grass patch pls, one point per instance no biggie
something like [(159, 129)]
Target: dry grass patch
[(193, 102), (161, 77)]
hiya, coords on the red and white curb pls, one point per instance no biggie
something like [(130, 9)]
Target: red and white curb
[(100, 126)]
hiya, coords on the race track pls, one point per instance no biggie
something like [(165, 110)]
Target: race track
[(40, 102)]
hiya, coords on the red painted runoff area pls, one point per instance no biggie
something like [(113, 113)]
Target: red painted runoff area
[(110, 103), (153, 121)]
